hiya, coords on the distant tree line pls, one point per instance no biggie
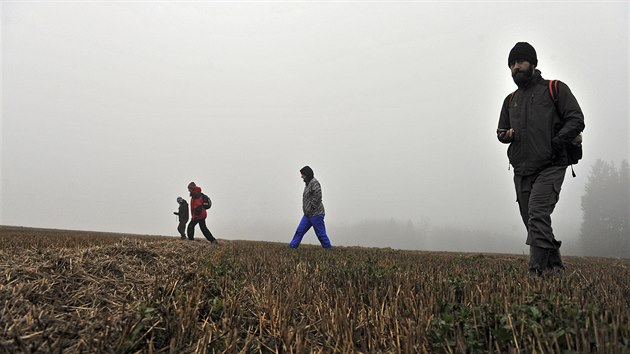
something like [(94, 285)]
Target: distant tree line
[(605, 229), (384, 233)]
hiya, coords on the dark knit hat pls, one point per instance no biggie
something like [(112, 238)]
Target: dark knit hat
[(191, 185), (307, 172), (523, 51)]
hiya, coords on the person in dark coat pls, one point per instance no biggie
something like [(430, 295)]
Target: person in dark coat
[(539, 130), (198, 213), (313, 209), (183, 217)]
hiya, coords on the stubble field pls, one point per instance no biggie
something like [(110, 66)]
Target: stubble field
[(83, 292)]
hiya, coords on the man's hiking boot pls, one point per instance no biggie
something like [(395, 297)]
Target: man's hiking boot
[(538, 261)]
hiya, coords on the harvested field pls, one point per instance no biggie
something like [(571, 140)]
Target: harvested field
[(78, 292)]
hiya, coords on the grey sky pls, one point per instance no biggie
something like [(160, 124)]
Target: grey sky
[(110, 109)]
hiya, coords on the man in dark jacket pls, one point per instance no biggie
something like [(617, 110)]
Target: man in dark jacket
[(539, 131), (313, 209), (183, 217), (199, 214)]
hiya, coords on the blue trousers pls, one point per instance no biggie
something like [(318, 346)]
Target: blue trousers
[(317, 222)]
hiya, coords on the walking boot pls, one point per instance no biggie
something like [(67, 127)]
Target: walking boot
[(555, 261), (538, 261)]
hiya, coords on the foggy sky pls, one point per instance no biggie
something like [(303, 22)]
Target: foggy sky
[(109, 110)]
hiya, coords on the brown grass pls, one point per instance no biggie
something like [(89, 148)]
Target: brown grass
[(91, 292)]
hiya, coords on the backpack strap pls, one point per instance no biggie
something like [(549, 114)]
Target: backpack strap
[(553, 93), (553, 90)]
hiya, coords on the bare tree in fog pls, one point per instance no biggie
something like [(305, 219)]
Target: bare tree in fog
[(605, 228)]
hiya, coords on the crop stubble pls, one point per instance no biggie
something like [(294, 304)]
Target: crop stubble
[(96, 292)]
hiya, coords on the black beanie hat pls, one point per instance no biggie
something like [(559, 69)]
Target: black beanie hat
[(307, 172), (523, 51)]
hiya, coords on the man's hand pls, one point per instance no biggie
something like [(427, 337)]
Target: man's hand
[(505, 135)]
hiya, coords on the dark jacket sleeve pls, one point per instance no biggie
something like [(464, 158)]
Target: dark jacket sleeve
[(183, 211), (570, 114), (504, 118)]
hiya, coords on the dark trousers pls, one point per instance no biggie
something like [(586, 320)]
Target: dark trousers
[(202, 226), (181, 228), (537, 196)]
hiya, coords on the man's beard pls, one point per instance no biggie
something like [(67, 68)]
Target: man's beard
[(521, 78)]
